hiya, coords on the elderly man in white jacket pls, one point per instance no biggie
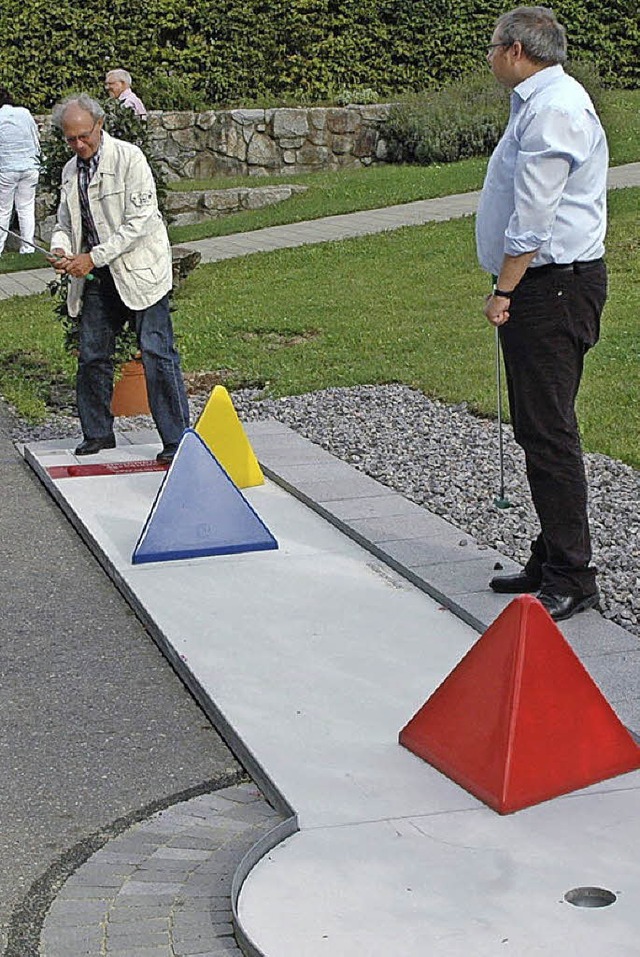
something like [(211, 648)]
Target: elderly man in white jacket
[(109, 225)]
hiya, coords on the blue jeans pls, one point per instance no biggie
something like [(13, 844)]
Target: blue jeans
[(103, 316)]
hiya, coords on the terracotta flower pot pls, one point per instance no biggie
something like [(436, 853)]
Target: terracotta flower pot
[(130, 390)]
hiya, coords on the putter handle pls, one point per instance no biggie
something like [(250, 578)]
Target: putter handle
[(89, 277)]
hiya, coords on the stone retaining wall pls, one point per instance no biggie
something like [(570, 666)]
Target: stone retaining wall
[(197, 206), (261, 142)]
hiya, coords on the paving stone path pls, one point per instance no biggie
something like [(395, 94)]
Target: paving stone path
[(163, 887)]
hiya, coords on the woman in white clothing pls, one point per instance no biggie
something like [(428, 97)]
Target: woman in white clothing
[(19, 169)]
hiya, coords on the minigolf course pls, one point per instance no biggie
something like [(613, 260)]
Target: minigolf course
[(310, 658)]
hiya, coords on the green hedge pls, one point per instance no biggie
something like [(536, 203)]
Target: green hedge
[(191, 52)]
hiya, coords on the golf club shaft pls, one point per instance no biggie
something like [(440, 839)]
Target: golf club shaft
[(38, 249), (499, 390)]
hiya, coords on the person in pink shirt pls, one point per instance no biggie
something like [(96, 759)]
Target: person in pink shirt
[(118, 85)]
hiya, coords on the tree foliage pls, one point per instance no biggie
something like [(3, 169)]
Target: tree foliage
[(185, 53)]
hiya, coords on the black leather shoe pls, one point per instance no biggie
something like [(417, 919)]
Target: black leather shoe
[(91, 446), (519, 584), (167, 455), (564, 606)]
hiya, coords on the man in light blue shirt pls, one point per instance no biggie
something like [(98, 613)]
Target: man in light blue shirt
[(540, 231), (19, 169)]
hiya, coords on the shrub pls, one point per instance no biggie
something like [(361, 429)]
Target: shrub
[(243, 50), (461, 120), (167, 91), (359, 95)]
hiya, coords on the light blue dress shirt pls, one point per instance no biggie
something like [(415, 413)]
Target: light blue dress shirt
[(19, 141), (546, 182)]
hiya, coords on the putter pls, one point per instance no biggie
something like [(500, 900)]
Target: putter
[(38, 249), (500, 501)]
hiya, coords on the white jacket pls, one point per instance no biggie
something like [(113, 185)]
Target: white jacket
[(133, 238)]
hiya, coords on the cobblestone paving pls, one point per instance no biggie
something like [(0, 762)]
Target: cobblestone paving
[(162, 888)]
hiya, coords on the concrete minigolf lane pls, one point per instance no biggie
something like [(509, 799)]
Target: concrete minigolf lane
[(313, 657)]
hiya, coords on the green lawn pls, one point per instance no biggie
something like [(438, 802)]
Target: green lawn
[(397, 307), (329, 194), (349, 190), (14, 262), (620, 114)]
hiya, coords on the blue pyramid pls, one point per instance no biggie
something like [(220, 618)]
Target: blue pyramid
[(198, 511)]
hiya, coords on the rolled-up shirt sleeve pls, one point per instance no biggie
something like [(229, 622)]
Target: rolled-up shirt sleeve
[(550, 145)]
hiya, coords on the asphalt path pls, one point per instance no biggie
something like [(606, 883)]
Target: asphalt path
[(96, 730)]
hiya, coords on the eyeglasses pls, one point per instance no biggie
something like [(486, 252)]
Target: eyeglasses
[(492, 46), (81, 137)]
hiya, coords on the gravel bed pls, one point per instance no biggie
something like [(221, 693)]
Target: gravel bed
[(446, 459)]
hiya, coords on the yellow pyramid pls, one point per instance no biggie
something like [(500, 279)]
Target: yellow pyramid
[(221, 430)]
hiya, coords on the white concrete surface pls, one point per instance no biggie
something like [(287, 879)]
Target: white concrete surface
[(316, 655), (460, 884)]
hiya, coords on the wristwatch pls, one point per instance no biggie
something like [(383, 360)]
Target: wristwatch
[(502, 293)]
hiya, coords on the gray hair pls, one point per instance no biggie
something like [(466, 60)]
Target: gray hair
[(119, 75), (543, 39), (81, 100)]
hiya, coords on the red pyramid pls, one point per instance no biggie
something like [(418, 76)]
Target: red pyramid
[(519, 720)]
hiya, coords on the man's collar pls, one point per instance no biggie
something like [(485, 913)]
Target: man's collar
[(538, 80)]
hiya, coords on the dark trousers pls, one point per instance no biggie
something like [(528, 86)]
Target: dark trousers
[(554, 320), (102, 317)]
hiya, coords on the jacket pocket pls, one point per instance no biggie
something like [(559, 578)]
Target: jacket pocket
[(143, 258)]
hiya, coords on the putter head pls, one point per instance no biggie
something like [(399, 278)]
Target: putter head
[(501, 502)]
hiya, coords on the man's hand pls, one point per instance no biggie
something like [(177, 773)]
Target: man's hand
[(58, 260), (496, 309), (513, 268), (79, 266)]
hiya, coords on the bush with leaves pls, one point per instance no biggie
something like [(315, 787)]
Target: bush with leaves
[(461, 120), (170, 91), (122, 123), (359, 95), (464, 119)]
